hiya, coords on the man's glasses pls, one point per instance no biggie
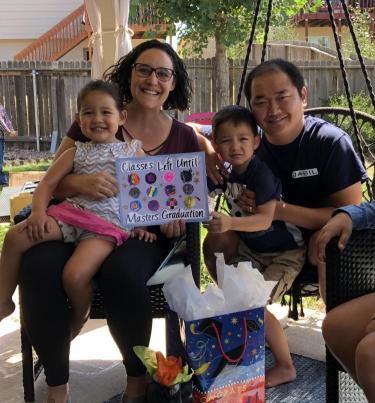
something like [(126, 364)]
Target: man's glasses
[(144, 70)]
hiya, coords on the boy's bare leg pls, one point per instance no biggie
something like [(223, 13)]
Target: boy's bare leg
[(78, 273), (283, 370), (226, 242), (16, 242)]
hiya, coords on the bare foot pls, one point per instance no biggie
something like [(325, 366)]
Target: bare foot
[(7, 309), (280, 374), (58, 394)]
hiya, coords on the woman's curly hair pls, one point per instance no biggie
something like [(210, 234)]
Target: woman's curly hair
[(120, 74)]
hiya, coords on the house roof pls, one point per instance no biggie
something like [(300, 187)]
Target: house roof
[(29, 19)]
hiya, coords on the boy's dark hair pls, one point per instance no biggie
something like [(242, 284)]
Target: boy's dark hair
[(291, 70), (102, 86), (235, 114), (120, 73)]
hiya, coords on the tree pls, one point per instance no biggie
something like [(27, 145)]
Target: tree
[(361, 20), (227, 21)]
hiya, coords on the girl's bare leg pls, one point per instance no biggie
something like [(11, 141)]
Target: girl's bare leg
[(345, 326), (16, 242), (79, 270)]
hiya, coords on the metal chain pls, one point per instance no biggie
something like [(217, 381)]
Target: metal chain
[(347, 89), (359, 54), (251, 39), (266, 29)]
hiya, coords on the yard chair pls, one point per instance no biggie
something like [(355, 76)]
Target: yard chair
[(350, 274), (306, 284), (188, 252)]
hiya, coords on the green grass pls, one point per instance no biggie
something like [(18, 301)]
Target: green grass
[(41, 166)]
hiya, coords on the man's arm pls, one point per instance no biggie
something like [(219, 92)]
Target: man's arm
[(315, 218)]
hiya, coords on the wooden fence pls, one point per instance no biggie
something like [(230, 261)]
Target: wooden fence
[(42, 95)]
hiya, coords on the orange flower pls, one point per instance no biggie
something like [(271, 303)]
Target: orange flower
[(168, 368)]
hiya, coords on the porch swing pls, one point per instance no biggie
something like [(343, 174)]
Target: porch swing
[(352, 273)]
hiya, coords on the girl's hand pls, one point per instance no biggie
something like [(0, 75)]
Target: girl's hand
[(219, 223), (143, 234), (246, 201), (36, 225), (97, 186), (173, 229), (340, 225)]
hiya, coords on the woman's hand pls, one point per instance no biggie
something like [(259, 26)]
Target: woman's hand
[(36, 225), (340, 225), (173, 229), (143, 234), (246, 201), (96, 186), (215, 167), (219, 223)]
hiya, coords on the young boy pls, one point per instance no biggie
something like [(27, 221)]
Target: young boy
[(275, 248)]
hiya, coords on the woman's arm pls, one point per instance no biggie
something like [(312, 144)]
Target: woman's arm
[(315, 218)]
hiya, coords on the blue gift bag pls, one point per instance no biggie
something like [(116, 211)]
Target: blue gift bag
[(227, 355)]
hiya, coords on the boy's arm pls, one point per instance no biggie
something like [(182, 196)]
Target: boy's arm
[(260, 221), (363, 216)]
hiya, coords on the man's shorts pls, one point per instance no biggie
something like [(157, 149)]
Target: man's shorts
[(282, 267), (74, 235)]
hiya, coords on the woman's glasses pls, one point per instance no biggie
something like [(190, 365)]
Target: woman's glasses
[(144, 70)]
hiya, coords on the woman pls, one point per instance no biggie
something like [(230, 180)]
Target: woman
[(152, 78), (315, 161)]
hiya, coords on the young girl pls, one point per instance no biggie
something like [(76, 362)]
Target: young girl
[(94, 225)]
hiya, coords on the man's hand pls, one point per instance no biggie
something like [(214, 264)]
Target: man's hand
[(340, 225), (215, 167), (246, 201), (219, 223)]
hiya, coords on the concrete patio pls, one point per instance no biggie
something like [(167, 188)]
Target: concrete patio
[(96, 369)]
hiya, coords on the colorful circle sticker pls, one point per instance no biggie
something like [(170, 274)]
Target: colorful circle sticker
[(153, 205), (133, 179), (189, 201), (188, 188), (152, 191), (186, 176), (150, 178), (171, 203), (168, 176), (134, 193), (170, 190), (135, 205)]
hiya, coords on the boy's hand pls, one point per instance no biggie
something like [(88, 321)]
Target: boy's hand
[(219, 223), (246, 201), (340, 225), (36, 225), (143, 234)]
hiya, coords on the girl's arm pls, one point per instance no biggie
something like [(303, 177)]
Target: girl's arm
[(61, 167), (260, 221)]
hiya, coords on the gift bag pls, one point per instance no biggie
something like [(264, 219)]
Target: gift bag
[(227, 355)]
